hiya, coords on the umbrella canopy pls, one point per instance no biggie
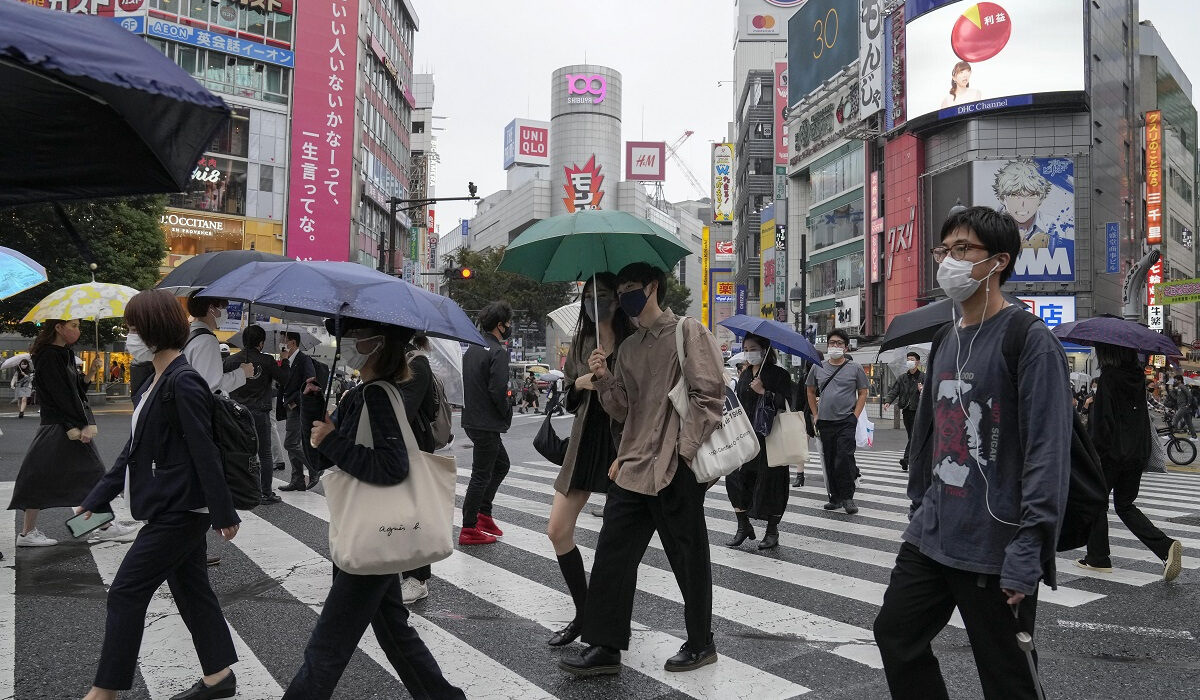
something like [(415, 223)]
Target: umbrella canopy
[(782, 336), (276, 336), (94, 300), (18, 272), (1117, 331), (346, 289), (445, 359), (15, 360), (922, 323), (576, 246), (736, 359), (552, 374), (91, 110), (896, 357), (566, 317), (202, 270)]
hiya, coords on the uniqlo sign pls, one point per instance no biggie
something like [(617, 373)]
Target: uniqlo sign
[(526, 142), (1154, 208)]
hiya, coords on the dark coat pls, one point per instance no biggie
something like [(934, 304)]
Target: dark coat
[(419, 402), (169, 471), (299, 368), (904, 393), (1119, 422), (61, 389), (485, 387), (384, 464), (256, 393), (776, 381)]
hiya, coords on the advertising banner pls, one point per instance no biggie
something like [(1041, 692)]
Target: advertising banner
[(1112, 247), (705, 253), (724, 251), (583, 186), (981, 56), (100, 8), (822, 40), (781, 110), (1053, 310), (740, 300), (1155, 319), (871, 66), (320, 191), (1154, 278), (1040, 194), (894, 114), (781, 266), (822, 123), (724, 293), (646, 160), (526, 142), (766, 251), (215, 41), (1178, 292), (1154, 213), (722, 174)]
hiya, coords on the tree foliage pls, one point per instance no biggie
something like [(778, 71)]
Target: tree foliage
[(488, 284), (123, 235), (679, 297)]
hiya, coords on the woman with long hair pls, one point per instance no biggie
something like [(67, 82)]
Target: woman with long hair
[(961, 91), (62, 464), (22, 385), (355, 600), (591, 449), (756, 490), (174, 480), (420, 404)]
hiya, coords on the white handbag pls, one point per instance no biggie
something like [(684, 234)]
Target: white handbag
[(787, 443), (731, 444), (377, 529)]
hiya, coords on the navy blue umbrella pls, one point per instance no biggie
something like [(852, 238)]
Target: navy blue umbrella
[(348, 290), (782, 336), (89, 110), (1117, 331)]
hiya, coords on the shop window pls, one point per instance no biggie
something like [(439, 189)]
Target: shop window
[(217, 74), (253, 21), (418, 127), (837, 225), (198, 10), (161, 46), (226, 15), (280, 27), (171, 6), (266, 179), (217, 185), (188, 59), (234, 137)]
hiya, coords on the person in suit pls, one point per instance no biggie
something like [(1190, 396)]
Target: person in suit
[(255, 395), (355, 600), (175, 482), (300, 368)]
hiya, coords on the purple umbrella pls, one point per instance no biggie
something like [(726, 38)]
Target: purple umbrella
[(1117, 331)]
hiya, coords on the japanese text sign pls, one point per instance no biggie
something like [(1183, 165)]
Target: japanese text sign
[(1053, 310), (1154, 213), (1112, 247)]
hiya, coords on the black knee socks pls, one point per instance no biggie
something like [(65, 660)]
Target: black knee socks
[(571, 564), (773, 525)]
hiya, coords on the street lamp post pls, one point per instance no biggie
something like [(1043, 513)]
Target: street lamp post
[(387, 250)]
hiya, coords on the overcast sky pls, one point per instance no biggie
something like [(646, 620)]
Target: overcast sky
[(492, 61)]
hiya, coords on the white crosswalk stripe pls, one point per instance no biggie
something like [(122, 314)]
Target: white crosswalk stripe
[(822, 556)]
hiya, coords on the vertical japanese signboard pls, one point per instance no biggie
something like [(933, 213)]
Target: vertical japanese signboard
[(1154, 312), (320, 193), (1154, 177), (722, 174), (781, 108), (871, 65), (1112, 247), (705, 253)]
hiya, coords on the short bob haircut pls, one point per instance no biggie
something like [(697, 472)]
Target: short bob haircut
[(391, 361), (158, 319), (644, 274), (996, 231), (914, 356), (768, 351)]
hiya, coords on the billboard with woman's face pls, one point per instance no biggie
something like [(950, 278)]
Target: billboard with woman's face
[(965, 58)]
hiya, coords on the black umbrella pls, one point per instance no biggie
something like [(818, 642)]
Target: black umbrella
[(202, 270), (89, 110), (922, 323)]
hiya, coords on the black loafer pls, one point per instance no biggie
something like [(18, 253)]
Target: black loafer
[(832, 505), (292, 487), (566, 635), (227, 688), (279, 466), (688, 660), (269, 498), (312, 484), (594, 661)]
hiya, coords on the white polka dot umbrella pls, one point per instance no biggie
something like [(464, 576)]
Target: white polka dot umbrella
[(93, 300)]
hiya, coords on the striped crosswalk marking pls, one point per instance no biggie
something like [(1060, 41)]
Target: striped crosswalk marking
[(8, 597)]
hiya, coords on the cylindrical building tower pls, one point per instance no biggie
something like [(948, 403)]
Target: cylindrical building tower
[(585, 138)]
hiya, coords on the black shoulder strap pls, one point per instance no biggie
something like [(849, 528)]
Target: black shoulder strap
[(196, 333), (1014, 341), (830, 378)]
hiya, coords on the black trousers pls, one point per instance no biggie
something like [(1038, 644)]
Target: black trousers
[(909, 416), (266, 467), (920, 598), (353, 603), (837, 449), (1125, 485), (170, 548), (293, 442), (421, 574), (489, 466), (677, 514)]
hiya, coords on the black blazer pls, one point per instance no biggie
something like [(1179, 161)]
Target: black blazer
[(485, 387), (170, 472), (299, 368)]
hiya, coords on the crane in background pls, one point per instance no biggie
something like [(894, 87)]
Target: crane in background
[(673, 154)]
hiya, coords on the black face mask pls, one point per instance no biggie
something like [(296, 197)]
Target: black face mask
[(506, 332), (608, 308), (633, 302)]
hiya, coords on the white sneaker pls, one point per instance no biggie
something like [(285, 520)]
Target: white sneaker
[(413, 590), (115, 532), (35, 538)]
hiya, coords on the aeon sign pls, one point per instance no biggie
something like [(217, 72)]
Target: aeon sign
[(586, 89)]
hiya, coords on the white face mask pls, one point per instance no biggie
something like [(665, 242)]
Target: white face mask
[(137, 349), (835, 353), (954, 277), (351, 355), (754, 358), (218, 315), (911, 364)]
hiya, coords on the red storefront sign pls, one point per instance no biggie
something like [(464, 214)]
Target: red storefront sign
[(1154, 208), (902, 239)]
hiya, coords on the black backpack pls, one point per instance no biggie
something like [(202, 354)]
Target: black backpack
[(141, 372), (1087, 495), (233, 432)]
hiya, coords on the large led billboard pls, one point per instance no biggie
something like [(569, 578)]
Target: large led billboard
[(1040, 194), (981, 56), (822, 40)]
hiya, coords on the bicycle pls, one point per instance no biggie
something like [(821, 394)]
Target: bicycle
[(1181, 449)]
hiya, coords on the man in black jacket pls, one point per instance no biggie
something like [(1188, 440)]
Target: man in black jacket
[(300, 368), (256, 395), (486, 414), (905, 393)]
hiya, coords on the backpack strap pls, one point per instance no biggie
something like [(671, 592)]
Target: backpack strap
[(1014, 342)]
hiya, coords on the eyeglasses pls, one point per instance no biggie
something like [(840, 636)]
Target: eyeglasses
[(835, 344), (958, 251)]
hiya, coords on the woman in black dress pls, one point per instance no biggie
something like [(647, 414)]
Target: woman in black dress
[(756, 490), (591, 450)]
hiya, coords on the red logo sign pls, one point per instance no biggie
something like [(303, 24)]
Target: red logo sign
[(583, 186)]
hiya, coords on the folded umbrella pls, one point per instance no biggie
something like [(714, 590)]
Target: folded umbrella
[(922, 323), (1117, 331), (18, 272), (782, 336)]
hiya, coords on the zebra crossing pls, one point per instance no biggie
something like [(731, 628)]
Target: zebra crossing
[(491, 608)]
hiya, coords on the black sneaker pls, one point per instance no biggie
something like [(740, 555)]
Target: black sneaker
[(688, 660), (848, 504), (594, 661), (269, 498), (279, 466), (226, 688), (832, 505)]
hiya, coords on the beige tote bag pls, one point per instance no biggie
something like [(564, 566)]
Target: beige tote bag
[(787, 443), (390, 529)]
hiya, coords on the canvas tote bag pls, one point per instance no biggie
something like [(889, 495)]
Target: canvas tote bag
[(734, 441), (377, 529), (787, 443)]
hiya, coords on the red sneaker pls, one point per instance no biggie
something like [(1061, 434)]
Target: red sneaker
[(486, 524), (473, 535)]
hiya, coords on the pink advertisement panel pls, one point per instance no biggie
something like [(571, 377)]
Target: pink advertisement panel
[(781, 93), (320, 192)]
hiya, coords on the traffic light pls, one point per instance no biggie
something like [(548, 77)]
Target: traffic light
[(460, 273)]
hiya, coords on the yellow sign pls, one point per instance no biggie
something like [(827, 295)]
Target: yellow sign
[(704, 257), (766, 248)]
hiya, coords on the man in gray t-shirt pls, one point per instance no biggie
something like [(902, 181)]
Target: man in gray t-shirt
[(841, 385)]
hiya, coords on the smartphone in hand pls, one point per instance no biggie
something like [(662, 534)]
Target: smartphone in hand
[(80, 527)]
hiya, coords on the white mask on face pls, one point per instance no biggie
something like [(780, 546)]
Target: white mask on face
[(835, 353), (954, 277), (911, 364), (218, 315), (754, 358), (351, 355), (136, 348)]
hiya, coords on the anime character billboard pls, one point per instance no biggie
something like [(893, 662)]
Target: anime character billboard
[(1040, 194)]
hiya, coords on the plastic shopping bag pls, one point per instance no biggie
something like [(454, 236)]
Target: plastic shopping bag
[(864, 435)]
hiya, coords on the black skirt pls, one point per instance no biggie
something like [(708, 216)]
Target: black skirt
[(596, 453), (760, 490), (57, 472)]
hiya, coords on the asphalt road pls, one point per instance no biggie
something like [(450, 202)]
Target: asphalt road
[(794, 621)]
